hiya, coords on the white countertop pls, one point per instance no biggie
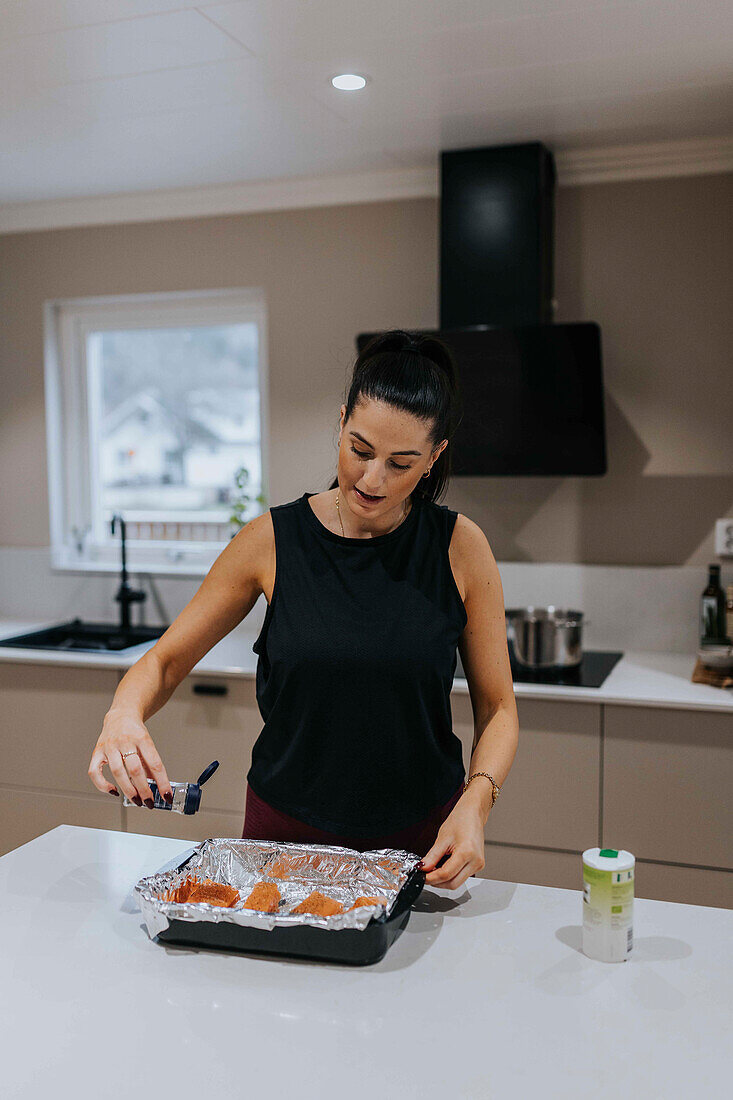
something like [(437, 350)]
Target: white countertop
[(485, 994), (642, 679)]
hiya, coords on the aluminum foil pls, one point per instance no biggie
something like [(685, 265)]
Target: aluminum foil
[(342, 873)]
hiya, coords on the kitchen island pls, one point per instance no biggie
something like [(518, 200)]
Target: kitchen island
[(486, 993)]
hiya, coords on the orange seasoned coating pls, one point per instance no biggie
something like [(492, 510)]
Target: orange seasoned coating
[(214, 893), (391, 865), (182, 892), (319, 905), (195, 890), (368, 901), (281, 868), (265, 896)]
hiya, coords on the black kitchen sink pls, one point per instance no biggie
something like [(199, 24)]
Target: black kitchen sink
[(85, 637)]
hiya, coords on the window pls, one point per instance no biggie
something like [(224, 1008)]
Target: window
[(155, 406)]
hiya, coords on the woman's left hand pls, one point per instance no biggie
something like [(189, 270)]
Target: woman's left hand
[(461, 839)]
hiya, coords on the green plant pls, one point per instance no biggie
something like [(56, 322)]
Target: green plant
[(241, 500)]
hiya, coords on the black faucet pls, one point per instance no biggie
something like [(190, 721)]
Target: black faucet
[(125, 594)]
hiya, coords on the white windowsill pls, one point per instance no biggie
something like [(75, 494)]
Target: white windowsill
[(159, 569)]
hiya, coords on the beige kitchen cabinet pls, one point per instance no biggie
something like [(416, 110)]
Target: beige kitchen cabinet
[(195, 727), (50, 718), (26, 814), (686, 885), (665, 882), (689, 885), (550, 798), (540, 867), (667, 781)]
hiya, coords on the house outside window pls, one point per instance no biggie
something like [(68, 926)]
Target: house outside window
[(154, 406)]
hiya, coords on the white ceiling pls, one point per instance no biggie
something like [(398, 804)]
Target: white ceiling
[(110, 97)]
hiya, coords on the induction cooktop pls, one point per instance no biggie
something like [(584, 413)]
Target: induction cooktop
[(590, 673)]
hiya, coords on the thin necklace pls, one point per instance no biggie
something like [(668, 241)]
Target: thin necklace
[(404, 514)]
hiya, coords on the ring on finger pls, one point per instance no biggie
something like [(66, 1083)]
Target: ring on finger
[(132, 752)]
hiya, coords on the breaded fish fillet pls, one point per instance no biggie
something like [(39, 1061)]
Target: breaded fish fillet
[(368, 901), (182, 892), (196, 890), (320, 905), (265, 896), (214, 893)]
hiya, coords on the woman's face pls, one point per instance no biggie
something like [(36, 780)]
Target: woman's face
[(383, 452)]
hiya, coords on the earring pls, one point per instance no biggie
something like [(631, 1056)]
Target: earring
[(426, 474)]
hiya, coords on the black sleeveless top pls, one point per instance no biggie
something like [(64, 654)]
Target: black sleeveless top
[(356, 659)]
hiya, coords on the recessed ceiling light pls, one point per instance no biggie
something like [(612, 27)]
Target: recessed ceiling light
[(348, 82)]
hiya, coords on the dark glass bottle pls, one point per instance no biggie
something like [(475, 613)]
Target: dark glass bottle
[(712, 609)]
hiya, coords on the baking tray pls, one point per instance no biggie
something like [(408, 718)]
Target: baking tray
[(366, 941)]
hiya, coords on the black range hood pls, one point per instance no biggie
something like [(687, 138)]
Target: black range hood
[(532, 390), (497, 223)]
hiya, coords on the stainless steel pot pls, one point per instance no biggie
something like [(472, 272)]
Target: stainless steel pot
[(545, 637)]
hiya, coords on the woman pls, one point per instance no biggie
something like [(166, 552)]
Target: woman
[(371, 586)]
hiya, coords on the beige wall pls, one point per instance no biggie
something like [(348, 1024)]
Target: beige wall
[(650, 261)]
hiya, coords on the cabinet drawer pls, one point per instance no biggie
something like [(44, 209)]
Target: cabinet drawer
[(209, 718), (550, 798), (197, 827), (24, 815), (50, 719), (667, 778)]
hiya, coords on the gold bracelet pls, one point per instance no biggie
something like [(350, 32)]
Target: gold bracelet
[(495, 788)]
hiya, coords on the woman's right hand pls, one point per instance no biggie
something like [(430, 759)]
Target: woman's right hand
[(127, 748)]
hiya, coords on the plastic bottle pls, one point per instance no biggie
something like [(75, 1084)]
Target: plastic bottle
[(712, 609), (608, 904)]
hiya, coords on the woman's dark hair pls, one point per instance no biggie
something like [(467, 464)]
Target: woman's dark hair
[(419, 376)]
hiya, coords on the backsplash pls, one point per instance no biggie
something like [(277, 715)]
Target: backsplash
[(631, 608)]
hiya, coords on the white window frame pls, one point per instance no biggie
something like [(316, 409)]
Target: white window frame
[(66, 324)]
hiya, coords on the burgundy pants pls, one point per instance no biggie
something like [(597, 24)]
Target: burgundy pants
[(263, 822)]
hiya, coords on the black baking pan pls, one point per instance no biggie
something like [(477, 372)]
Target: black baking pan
[(353, 946)]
